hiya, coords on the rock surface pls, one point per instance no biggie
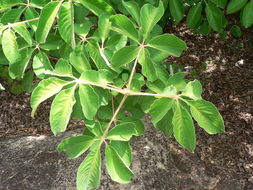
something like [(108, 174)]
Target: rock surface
[(33, 163)]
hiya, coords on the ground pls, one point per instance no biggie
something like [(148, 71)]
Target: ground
[(227, 82)]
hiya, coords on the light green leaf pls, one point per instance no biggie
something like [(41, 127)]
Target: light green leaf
[(183, 130), (61, 110), (168, 43), (102, 76), (159, 108), (122, 132), (247, 15), (194, 15), (75, 146), (45, 89), (89, 101), (124, 151), (11, 16), (78, 59), (10, 46), (235, 5), (41, 63), (31, 13), (23, 32), (46, 20), (116, 167), (165, 124), (66, 23), (17, 69), (148, 67), (63, 67), (176, 9), (150, 15), (104, 26), (98, 7), (133, 8), (207, 116), (89, 172), (124, 56), (193, 90), (139, 126), (177, 80), (215, 17), (124, 26)]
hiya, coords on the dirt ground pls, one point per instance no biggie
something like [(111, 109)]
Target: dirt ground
[(227, 82)]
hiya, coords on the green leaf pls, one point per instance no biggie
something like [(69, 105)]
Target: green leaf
[(159, 108), (102, 76), (17, 69), (220, 3), (61, 110), (104, 26), (10, 46), (207, 116), (31, 13), (89, 101), (124, 26), (11, 15), (235, 5), (98, 7), (183, 130), (169, 44), (45, 89), (75, 146), (247, 15), (116, 167), (165, 124), (94, 127), (236, 31), (122, 132), (176, 9), (139, 126), (148, 67), (177, 80), (63, 67), (23, 32), (78, 59), (124, 56), (133, 8), (124, 151), (150, 15), (194, 15), (40, 3), (66, 23), (89, 172), (46, 20), (27, 81), (193, 90), (41, 63), (215, 17)]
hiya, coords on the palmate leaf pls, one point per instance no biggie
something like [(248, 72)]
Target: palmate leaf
[(10, 46), (46, 20), (220, 3), (104, 26), (165, 124), (194, 15), (124, 56), (235, 5), (66, 23), (75, 146), (169, 44), (193, 90), (23, 32), (41, 63), (150, 15), (124, 26), (89, 172), (184, 130), (247, 15), (122, 132), (176, 9), (31, 13), (61, 110), (63, 67), (133, 8), (116, 167), (124, 151), (98, 7), (207, 116), (89, 101), (11, 16), (45, 89)]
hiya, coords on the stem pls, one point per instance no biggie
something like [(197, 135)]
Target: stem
[(22, 22)]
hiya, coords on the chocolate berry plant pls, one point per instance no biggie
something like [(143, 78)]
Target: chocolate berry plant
[(107, 69)]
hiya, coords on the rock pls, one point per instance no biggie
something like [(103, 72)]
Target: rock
[(33, 163)]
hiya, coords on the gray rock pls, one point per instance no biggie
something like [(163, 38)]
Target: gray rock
[(33, 163)]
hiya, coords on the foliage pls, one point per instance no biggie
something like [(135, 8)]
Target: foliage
[(108, 70)]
